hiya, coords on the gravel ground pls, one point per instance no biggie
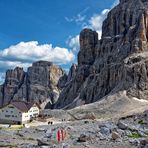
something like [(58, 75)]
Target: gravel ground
[(125, 132), (27, 137)]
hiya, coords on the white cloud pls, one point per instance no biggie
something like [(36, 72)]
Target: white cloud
[(32, 51)]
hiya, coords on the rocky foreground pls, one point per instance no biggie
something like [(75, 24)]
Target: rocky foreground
[(89, 132)]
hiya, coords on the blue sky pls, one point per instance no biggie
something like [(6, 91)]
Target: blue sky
[(31, 29)]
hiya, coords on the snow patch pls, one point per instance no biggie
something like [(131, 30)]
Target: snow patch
[(140, 100)]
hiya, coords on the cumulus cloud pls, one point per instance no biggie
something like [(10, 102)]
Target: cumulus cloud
[(24, 53), (32, 51)]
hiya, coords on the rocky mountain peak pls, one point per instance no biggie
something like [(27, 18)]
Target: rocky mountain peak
[(42, 63), (39, 83), (128, 1), (102, 69), (124, 1), (17, 74), (88, 41)]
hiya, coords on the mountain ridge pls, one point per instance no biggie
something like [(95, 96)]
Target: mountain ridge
[(116, 62), (39, 83)]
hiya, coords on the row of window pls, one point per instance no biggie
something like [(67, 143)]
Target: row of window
[(33, 110), (11, 111), (7, 111), (8, 116), (10, 107)]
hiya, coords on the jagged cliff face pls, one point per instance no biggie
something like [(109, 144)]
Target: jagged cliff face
[(117, 62), (39, 83)]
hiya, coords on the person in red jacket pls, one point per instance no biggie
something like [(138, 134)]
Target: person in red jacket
[(58, 135), (63, 134)]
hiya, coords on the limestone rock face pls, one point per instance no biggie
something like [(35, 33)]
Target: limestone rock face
[(119, 61), (39, 83), (72, 72), (13, 81), (1, 95), (88, 41)]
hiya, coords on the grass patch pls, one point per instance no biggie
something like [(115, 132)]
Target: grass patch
[(141, 122), (135, 135), (8, 146), (11, 128)]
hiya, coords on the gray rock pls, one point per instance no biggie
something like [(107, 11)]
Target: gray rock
[(39, 83), (146, 113), (102, 137), (83, 138), (64, 145), (122, 125), (134, 142), (128, 132), (116, 62), (88, 41), (115, 135), (13, 81), (62, 81), (144, 141), (44, 142), (29, 145), (72, 72), (141, 133), (105, 130)]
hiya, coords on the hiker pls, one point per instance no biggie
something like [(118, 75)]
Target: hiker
[(50, 122), (61, 134)]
